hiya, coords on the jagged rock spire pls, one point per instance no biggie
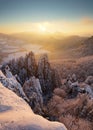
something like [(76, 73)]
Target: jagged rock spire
[(10, 82), (33, 91)]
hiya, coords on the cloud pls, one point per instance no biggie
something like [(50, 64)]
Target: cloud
[(81, 26), (87, 21)]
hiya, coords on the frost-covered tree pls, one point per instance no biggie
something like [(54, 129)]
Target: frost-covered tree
[(24, 67), (48, 77), (30, 63)]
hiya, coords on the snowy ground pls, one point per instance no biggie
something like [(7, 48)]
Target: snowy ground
[(15, 114)]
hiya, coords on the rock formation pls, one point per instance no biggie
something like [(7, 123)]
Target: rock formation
[(26, 67), (68, 99), (15, 114), (10, 82), (33, 91), (37, 81)]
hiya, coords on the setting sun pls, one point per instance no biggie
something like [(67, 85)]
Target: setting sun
[(42, 28)]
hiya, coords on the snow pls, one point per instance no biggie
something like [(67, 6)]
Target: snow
[(89, 91), (32, 89), (15, 114), (10, 82), (37, 85), (1, 74)]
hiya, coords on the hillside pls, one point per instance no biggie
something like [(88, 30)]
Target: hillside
[(87, 47)]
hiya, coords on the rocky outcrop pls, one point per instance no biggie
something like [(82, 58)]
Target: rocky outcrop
[(71, 102), (26, 67), (37, 81), (87, 86), (9, 81), (72, 86), (33, 91), (15, 114)]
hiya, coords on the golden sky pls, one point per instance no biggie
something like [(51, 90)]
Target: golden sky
[(83, 26), (71, 17)]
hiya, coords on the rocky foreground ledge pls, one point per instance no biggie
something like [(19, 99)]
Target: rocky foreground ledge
[(15, 114)]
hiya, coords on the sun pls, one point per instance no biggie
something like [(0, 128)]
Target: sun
[(42, 28)]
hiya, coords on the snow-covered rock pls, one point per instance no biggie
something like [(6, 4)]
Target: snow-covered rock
[(15, 114), (10, 82), (26, 67), (89, 91), (33, 91), (74, 78), (72, 88), (1, 74), (89, 80)]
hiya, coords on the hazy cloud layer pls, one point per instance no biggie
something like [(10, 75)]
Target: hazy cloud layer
[(83, 26)]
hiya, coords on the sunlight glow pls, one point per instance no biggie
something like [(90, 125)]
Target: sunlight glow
[(42, 28), (82, 27)]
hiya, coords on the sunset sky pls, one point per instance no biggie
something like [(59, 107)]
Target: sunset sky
[(66, 16)]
